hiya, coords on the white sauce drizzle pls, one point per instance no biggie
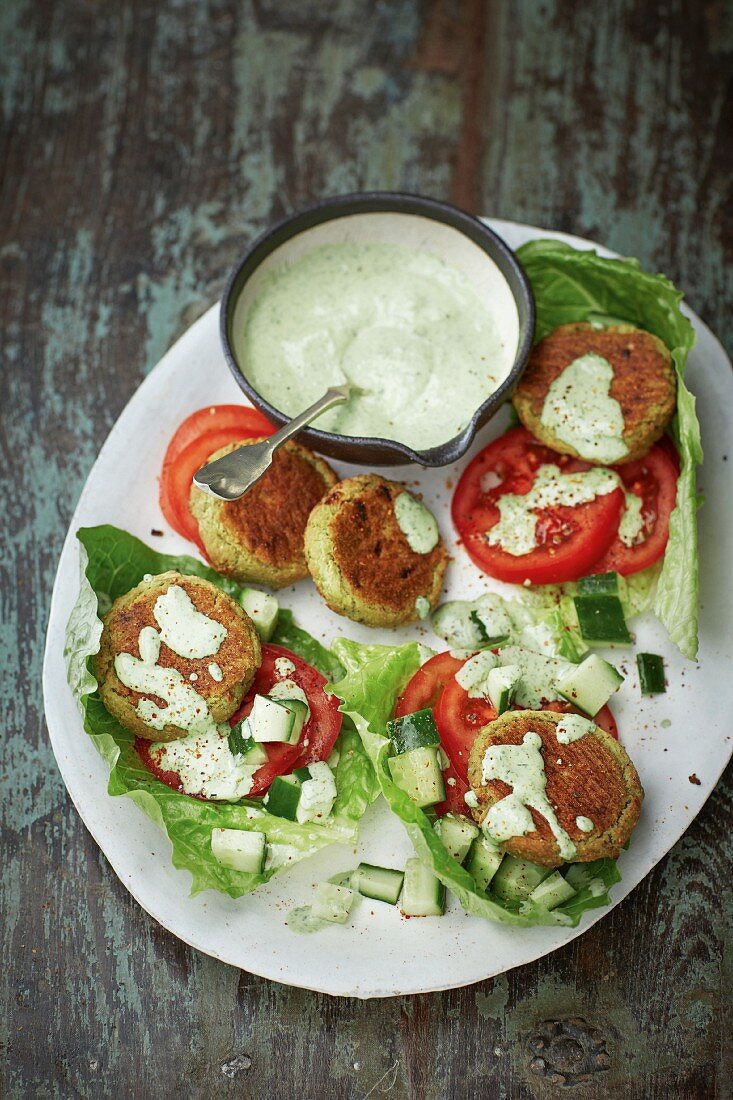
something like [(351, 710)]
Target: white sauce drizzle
[(205, 765), (632, 522), (584, 824), (472, 676), (517, 527), (523, 769), (572, 727), (215, 672), (183, 628), (580, 411), (185, 707), (417, 523), (284, 667)]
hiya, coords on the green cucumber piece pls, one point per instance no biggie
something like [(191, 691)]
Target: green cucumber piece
[(239, 849), (274, 721), (501, 686), (598, 584), (263, 609), (589, 685), (413, 731), (332, 903), (255, 755), (552, 891), (283, 797), (484, 860), (250, 750), (380, 883), (423, 894), (601, 620), (457, 833), (517, 878), (239, 738), (651, 673), (419, 775)]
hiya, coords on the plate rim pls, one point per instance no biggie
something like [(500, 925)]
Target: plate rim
[(563, 937)]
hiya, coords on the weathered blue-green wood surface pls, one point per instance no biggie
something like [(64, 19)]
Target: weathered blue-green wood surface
[(144, 142)]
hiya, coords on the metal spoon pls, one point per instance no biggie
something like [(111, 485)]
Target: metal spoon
[(229, 477)]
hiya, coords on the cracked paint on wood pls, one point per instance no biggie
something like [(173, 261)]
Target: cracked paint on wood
[(143, 144)]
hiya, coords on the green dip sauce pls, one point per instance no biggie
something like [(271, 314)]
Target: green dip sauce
[(404, 327)]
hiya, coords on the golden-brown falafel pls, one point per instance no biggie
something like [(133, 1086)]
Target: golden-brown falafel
[(644, 383), (591, 777), (259, 538), (237, 658), (361, 560)]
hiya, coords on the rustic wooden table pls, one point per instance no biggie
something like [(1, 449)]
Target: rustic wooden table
[(144, 142)]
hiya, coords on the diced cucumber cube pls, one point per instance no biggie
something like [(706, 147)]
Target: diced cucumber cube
[(552, 891), (239, 849), (423, 894), (255, 755), (263, 610), (457, 834), (283, 797), (484, 860), (601, 620), (239, 738), (317, 792), (599, 584), (501, 686), (413, 731), (589, 685), (333, 903), (273, 720), (419, 775), (651, 673), (241, 743), (516, 878), (380, 883)]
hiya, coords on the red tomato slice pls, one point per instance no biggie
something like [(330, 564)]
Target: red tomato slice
[(571, 539), (427, 683), (217, 418), (318, 735), (654, 479), (459, 718), (177, 475), (317, 738)]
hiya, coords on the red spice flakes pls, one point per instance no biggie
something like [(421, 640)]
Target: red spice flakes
[(693, 779)]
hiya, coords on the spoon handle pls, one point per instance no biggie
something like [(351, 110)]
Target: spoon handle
[(336, 395)]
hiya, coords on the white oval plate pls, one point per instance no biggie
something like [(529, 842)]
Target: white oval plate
[(379, 953)]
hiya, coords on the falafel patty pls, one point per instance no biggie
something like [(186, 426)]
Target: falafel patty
[(563, 395), (363, 562), (221, 677), (592, 787), (259, 538)]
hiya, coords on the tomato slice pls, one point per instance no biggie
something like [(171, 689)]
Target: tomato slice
[(179, 466), (570, 538), (459, 718), (217, 418), (319, 733), (653, 479), (427, 683), (317, 737)]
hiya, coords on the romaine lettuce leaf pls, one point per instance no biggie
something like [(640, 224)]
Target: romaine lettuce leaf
[(576, 285), (376, 676), (112, 562)]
